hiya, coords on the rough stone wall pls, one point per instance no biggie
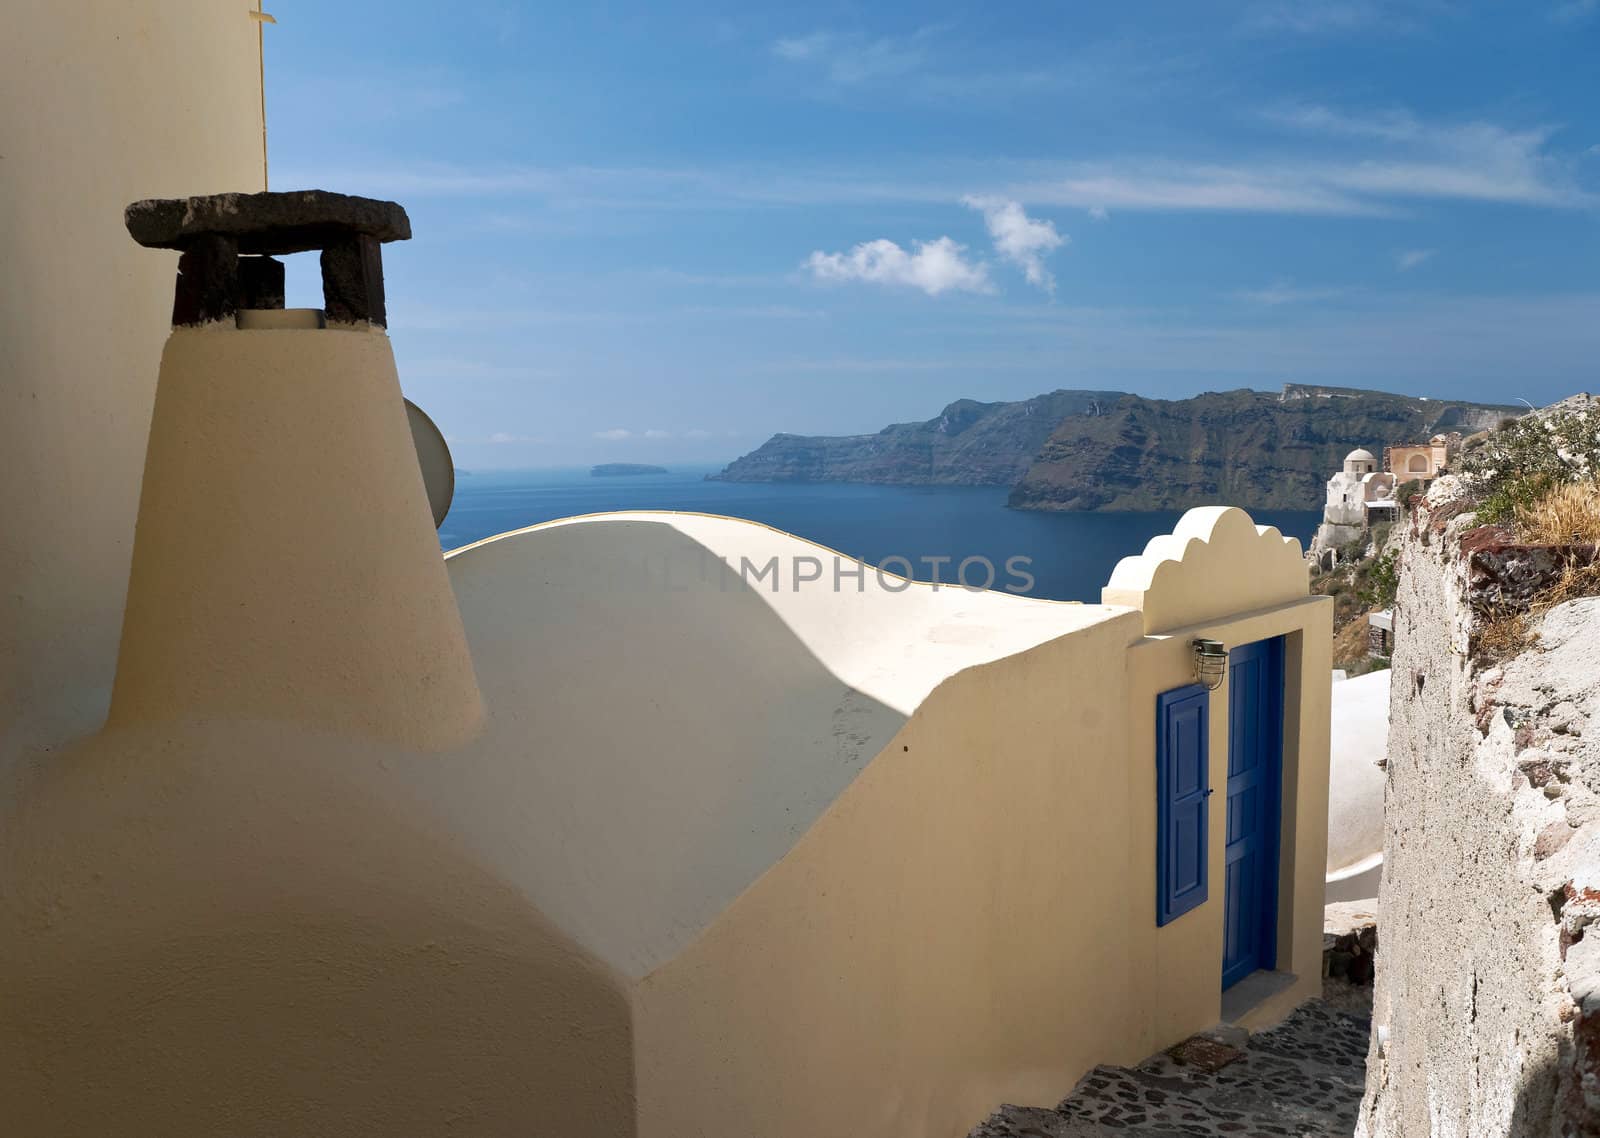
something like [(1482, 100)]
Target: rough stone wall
[(1487, 1010)]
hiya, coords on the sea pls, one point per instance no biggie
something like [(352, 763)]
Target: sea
[(925, 532)]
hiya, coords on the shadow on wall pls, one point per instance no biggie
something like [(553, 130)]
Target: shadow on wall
[(268, 941), (659, 736), (1534, 1112)]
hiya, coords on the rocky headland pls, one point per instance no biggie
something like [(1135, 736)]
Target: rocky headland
[(1107, 450)]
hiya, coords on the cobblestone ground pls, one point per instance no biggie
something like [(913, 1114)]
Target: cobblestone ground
[(1301, 1079)]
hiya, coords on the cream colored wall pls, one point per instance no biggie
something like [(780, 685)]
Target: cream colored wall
[(1189, 950), (101, 102), (258, 930), (934, 945), (973, 920), (1221, 577), (1215, 562), (286, 565)]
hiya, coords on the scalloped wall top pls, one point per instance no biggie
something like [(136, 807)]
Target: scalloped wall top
[(1215, 562)]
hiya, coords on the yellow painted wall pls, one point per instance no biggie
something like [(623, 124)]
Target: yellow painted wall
[(973, 921), (1190, 948), (286, 565), (938, 942), (101, 102), (256, 930)]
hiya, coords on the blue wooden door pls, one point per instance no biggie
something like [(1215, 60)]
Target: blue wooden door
[(1255, 779)]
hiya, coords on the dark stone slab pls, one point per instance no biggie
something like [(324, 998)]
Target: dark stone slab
[(208, 281), (269, 223), (352, 281)]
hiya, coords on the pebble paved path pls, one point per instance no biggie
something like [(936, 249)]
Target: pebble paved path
[(1301, 1079)]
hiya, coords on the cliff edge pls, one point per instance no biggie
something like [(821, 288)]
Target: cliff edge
[(1487, 1003), (1108, 450)]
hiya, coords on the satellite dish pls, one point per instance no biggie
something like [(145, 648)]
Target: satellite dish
[(433, 455)]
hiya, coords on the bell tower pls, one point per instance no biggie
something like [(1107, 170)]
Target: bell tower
[(285, 564)]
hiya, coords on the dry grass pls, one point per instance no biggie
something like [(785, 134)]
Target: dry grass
[(1350, 647), (1506, 633), (1565, 514), (1545, 513), (1501, 636), (1576, 580)]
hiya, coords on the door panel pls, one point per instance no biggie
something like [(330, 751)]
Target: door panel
[(1255, 777), (1182, 773)]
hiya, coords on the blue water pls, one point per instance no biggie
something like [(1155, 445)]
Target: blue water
[(1069, 555)]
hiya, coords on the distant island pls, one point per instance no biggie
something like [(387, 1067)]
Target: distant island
[(1109, 450), (625, 469)]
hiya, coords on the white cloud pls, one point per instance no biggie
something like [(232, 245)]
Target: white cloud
[(501, 438), (1098, 213), (1390, 126), (1176, 187), (1467, 160), (1335, 17), (1019, 238), (587, 189), (697, 433), (936, 64), (615, 434), (656, 434), (848, 59), (1286, 292), (1377, 164), (1411, 258), (933, 266), (797, 48)]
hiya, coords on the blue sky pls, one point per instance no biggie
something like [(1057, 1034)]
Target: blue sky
[(662, 232)]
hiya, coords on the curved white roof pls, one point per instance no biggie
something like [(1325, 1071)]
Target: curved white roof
[(668, 675), (1360, 455)]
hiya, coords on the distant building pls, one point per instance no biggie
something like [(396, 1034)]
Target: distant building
[(1380, 633), (1419, 462), (1359, 495), (1358, 490)]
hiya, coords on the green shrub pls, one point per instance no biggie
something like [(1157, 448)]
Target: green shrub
[(1512, 496), (1521, 461), (1352, 550), (1381, 581)]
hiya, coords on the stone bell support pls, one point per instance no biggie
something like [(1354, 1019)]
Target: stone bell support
[(227, 244), (285, 563)]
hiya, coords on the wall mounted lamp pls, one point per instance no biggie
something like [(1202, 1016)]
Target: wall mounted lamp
[(1210, 663)]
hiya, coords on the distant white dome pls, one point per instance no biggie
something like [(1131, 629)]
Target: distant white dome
[(1359, 455)]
